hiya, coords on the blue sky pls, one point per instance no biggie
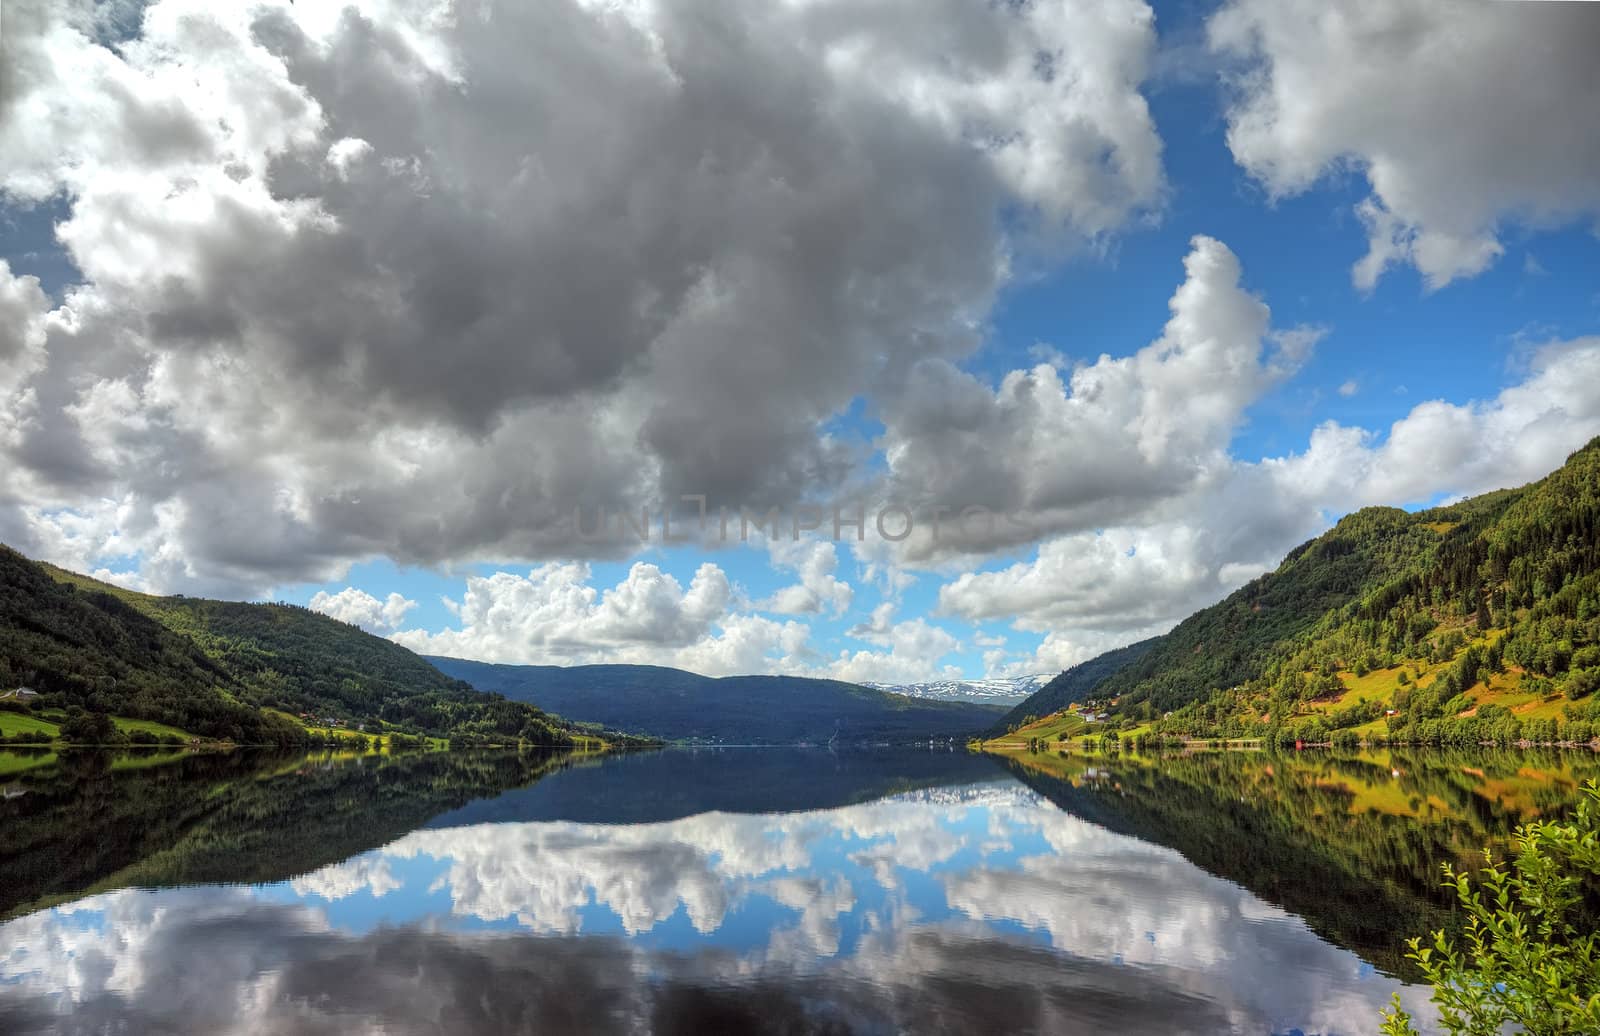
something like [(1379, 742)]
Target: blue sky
[(395, 440)]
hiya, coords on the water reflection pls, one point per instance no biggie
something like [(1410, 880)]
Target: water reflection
[(969, 906)]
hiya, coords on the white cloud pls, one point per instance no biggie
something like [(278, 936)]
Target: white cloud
[(1118, 580), (360, 608), (1349, 388), (1112, 442), (554, 616), (819, 589), (23, 307), (1442, 448), (1462, 118), (913, 651)]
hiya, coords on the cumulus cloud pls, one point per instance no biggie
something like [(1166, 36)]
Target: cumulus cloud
[(1120, 580), (1443, 448), (374, 280), (360, 608), (815, 562), (909, 651), (1041, 454), (1463, 119), (554, 616)]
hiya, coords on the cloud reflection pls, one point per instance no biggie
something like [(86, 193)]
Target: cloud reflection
[(964, 910)]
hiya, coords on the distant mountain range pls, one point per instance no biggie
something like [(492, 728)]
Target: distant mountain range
[(682, 706), (1008, 691)]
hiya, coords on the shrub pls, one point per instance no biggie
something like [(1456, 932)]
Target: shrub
[(1580, 682), (1530, 956), (90, 728)]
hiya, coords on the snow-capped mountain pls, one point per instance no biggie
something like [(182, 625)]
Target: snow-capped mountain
[(1006, 691)]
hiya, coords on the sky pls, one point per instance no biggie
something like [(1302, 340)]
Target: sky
[(1076, 317)]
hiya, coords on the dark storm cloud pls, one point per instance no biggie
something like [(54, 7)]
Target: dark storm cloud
[(426, 283)]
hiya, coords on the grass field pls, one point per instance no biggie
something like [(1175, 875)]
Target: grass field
[(128, 726), (1066, 726), (380, 742), (22, 723), (1056, 727)]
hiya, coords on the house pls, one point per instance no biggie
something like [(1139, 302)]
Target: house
[(20, 694)]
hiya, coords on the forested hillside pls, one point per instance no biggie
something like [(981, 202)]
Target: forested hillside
[(248, 673), (1477, 621), (85, 647), (681, 706)]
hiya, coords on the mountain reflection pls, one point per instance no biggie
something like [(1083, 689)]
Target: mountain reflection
[(971, 908)]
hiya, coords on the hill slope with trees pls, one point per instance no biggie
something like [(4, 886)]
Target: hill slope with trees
[(1475, 621), (231, 671)]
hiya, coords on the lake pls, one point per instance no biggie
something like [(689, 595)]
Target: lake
[(789, 890)]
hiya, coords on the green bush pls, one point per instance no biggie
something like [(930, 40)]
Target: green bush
[(1529, 958), (1580, 682), (90, 728)]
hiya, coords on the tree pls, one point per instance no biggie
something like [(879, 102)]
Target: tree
[(1530, 954), (90, 728), (1580, 682)]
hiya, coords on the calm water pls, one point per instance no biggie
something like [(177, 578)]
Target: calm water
[(732, 891)]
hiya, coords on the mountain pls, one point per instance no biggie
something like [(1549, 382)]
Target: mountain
[(1073, 685), (998, 691), (231, 671), (681, 706), (1479, 620)]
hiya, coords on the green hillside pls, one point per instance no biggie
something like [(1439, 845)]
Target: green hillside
[(1477, 621), (247, 673)]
